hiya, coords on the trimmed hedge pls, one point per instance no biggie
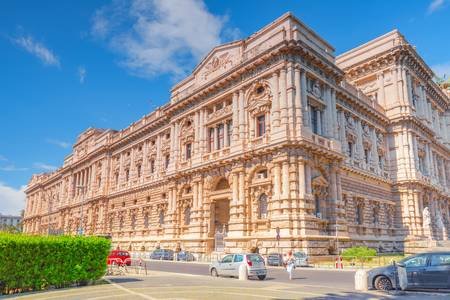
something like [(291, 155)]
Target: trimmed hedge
[(361, 252), (38, 262)]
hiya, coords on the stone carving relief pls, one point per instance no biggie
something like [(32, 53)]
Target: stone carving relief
[(426, 215), (260, 98), (350, 131), (220, 62), (316, 89)]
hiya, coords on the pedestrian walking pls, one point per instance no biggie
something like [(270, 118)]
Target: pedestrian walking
[(289, 264)]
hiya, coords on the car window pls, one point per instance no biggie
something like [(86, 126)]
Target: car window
[(227, 259), (299, 254), (238, 258), (255, 258), (440, 260), (416, 261)]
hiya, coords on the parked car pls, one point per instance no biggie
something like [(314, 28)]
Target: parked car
[(185, 256), (275, 259), (162, 254), (229, 265), (301, 259), (119, 257), (425, 270)]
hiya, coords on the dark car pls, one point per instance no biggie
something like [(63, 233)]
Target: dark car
[(185, 256), (425, 270), (274, 259), (119, 257), (162, 254)]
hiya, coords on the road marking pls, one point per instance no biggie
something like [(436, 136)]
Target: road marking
[(130, 291), (107, 297)]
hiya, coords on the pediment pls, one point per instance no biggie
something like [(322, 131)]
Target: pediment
[(218, 61), (319, 181)]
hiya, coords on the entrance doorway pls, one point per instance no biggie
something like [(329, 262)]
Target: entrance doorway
[(221, 217)]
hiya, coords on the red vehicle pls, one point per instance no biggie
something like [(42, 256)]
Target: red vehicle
[(119, 257)]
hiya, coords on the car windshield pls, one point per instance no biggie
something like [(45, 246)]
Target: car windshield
[(255, 258)]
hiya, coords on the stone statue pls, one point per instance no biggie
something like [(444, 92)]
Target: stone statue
[(316, 89), (426, 218)]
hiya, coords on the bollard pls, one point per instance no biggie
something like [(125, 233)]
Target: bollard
[(361, 280), (243, 272)]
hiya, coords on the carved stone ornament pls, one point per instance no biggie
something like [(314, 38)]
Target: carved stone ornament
[(426, 217), (316, 89), (260, 98)]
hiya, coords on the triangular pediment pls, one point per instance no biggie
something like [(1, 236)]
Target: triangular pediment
[(221, 59), (319, 181)]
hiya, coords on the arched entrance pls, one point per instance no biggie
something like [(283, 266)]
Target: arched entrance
[(220, 213)]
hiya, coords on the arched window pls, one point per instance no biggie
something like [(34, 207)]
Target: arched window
[(187, 216), (222, 185), (262, 206)]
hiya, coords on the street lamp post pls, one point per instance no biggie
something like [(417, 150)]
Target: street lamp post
[(82, 189)]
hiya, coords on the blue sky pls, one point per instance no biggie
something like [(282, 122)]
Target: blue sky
[(67, 66)]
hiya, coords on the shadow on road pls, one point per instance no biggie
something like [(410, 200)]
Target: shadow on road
[(124, 279), (348, 295)]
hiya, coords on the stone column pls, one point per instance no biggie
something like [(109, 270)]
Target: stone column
[(301, 179), (283, 98), (196, 132), (226, 142), (235, 188), (241, 115), (290, 100), (334, 127), (242, 188), (298, 101), (304, 97), (277, 181), (381, 95), (285, 180), (308, 179), (275, 101), (235, 120)]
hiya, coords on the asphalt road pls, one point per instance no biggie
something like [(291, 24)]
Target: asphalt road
[(341, 279)]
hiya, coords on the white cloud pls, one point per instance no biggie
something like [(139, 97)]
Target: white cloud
[(12, 168), (435, 5), (58, 143), (159, 36), (38, 49), (12, 200), (43, 166), (3, 158), (442, 70), (82, 74)]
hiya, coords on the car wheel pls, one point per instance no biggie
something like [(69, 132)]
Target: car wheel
[(383, 283), (214, 272), (261, 277)]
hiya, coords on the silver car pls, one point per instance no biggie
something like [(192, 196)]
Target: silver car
[(229, 265), (301, 259)]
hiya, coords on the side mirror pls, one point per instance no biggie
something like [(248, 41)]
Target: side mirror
[(401, 265)]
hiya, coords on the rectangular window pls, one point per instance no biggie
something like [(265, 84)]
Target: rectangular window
[(350, 149), (152, 166), (220, 136), (261, 125), (366, 155), (188, 151), (211, 139), (127, 175), (139, 171), (314, 124), (229, 132), (167, 161)]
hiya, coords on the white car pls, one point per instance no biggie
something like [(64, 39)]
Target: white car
[(229, 265)]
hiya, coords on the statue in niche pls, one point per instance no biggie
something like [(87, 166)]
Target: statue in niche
[(350, 123), (316, 89), (426, 218)]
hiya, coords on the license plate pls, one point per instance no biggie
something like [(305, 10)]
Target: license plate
[(259, 272)]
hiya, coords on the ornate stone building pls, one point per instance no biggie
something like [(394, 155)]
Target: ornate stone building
[(271, 132)]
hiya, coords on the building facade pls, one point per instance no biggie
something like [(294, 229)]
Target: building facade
[(9, 220), (269, 134)]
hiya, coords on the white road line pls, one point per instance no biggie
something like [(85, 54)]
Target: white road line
[(106, 297), (130, 291)]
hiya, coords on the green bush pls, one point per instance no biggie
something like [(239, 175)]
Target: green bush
[(37, 262), (361, 253)]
